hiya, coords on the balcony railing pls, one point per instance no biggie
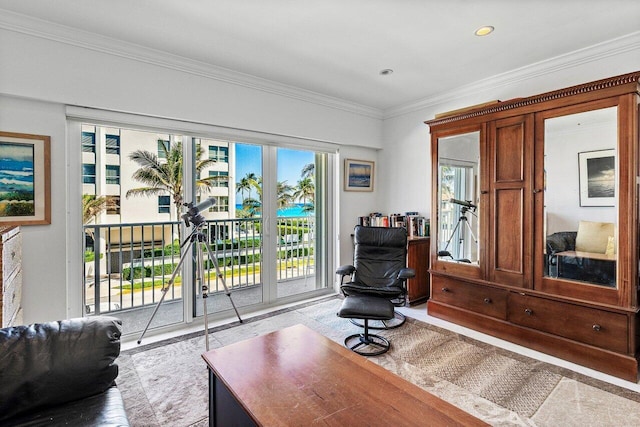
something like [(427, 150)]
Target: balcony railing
[(127, 265)]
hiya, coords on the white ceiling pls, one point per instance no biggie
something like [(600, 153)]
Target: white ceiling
[(338, 47)]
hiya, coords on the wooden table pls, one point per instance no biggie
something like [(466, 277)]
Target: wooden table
[(297, 377)]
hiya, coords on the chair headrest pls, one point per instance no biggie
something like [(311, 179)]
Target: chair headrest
[(380, 236)]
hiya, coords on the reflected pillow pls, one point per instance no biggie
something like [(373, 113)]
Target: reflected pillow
[(594, 236), (611, 247)]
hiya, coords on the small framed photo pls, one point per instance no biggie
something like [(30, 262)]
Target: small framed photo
[(597, 178), (25, 174), (358, 175)]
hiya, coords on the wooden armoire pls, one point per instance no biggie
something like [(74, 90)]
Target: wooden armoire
[(534, 235)]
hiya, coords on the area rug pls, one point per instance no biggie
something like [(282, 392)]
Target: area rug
[(165, 384)]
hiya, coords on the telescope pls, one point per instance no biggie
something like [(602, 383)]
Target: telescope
[(465, 203), (193, 216)]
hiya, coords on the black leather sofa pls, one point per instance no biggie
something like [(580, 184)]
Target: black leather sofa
[(61, 373)]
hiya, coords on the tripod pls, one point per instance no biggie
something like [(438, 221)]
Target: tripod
[(200, 239), (462, 219)]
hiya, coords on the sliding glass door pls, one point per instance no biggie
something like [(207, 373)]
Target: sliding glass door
[(264, 221)]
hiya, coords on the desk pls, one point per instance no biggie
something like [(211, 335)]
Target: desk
[(297, 377)]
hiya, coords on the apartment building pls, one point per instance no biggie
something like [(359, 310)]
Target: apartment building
[(107, 170)]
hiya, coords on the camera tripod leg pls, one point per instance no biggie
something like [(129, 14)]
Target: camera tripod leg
[(204, 289), (165, 288), (224, 283), (188, 242), (473, 236), (453, 233)]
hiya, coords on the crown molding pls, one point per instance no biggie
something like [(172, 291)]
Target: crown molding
[(34, 27), (496, 107), (19, 23), (630, 42)]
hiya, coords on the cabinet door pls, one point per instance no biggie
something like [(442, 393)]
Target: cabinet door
[(510, 188), (586, 244)]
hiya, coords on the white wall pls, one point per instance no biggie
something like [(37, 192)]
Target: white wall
[(44, 275), (40, 76), (355, 203)]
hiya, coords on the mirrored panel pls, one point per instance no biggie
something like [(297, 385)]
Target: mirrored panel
[(580, 197), (458, 183)]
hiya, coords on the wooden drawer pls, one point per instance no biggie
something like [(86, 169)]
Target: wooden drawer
[(11, 252), (478, 298), (11, 299), (588, 325)]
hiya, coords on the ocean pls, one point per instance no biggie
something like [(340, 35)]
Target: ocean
[(291, 211), (16, 175)]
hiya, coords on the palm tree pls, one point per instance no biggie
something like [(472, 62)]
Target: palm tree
[(284, 194), (247, 183), (308, 171), (305, 191), (242, 186), (250, 206), (92, 206), (162, 177)]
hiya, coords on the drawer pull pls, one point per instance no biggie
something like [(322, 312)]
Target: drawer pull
[(487, 300), (445, 290), (597, 327), (528, 311)]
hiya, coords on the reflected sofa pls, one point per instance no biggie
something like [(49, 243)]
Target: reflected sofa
[(594, 260)]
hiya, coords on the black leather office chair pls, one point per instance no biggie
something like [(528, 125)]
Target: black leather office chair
[(379, 269)]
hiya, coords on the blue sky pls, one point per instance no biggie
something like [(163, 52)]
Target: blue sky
[(290, 162)]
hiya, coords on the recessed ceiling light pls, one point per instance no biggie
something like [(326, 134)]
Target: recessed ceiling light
[(484, 31), (386, 72)]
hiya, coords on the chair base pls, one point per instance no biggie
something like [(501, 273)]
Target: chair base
[(395, 322), (367, 308), (367, 344)]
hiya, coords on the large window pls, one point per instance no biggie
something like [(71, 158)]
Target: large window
[(88, 173), (164, 204), (88, 142), (222, 178), (112, 144), (113, 205), (112, 173), (219, 154), (222, 205), (268, 229)]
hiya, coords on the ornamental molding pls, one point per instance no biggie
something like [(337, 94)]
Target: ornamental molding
[(498, 107)]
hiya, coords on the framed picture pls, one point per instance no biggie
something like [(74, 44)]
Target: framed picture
[(597, 178), (25, 172), (358, 175)]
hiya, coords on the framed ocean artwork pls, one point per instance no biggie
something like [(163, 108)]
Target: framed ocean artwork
[(25, 174), (358, 175)]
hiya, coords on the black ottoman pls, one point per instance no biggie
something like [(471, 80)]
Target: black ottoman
[(366, 308)]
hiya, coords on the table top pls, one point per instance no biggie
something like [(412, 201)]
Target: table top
[(296, 376)]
